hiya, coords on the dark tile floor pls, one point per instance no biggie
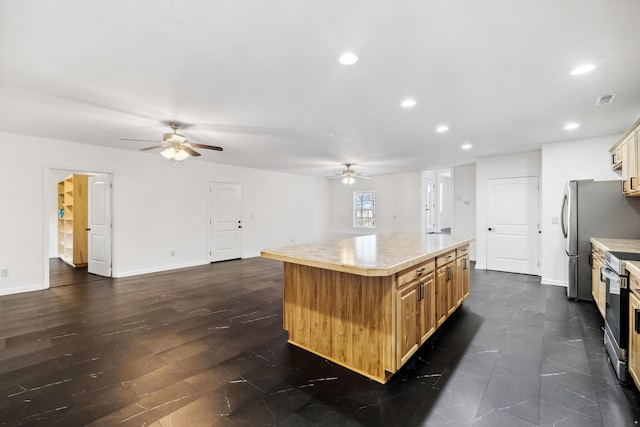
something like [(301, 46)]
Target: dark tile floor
[(205, 346)]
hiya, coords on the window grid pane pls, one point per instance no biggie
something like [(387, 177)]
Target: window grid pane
[(364, 203)]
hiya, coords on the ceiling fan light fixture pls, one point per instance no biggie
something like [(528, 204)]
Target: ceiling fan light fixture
[(348, 180), (172, 153), (181, 155)]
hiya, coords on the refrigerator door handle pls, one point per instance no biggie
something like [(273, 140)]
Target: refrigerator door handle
[(562, 212)]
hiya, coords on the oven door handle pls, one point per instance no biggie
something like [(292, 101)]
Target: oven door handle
[(608, 273)]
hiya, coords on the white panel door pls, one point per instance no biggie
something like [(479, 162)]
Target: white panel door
[(512, 225), (100, 225), (225, 222), (429, 199)]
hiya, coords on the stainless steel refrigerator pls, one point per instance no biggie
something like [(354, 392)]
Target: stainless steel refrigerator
[(593, 209)]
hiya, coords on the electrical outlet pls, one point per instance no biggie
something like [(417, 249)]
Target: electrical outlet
[(4, 272)]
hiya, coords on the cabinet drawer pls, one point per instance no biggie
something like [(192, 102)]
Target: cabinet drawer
[(416, 272), (462, 251), (445, 258)]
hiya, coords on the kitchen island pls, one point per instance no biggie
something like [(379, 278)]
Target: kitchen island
[(369, 302)]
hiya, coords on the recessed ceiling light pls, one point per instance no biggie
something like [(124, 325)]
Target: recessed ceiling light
[(442, 128), (571, 126), (348, 58), (582, 69), (408, 103), (466, 146)]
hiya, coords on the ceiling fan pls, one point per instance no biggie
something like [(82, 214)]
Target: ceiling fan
[(348, 175), (175, 145)]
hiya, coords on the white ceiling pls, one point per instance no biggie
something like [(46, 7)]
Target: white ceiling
[(262, 78)]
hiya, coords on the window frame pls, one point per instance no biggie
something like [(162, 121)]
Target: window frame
[(356, 209)]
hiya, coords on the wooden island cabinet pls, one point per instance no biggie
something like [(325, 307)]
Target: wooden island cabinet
[(369, 302)]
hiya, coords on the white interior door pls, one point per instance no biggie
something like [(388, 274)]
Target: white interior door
[(225, 222), (429, 199), (512, 225), (99, 225)]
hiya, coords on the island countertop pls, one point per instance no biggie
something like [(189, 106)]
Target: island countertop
[(617, 245), (372, 255)]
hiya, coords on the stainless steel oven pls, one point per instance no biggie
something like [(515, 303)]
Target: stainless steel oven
[(616, 325)]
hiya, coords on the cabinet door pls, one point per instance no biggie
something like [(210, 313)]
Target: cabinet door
[(452, 299), (464, 274), (407, 326), (633, 166), (427, 296), (595, 277), (441, 294), (459, 280), (634, 339), (625, 166)]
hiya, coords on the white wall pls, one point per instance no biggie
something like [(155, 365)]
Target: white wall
[(398, 204), (464, 204), (156, 208), (507, 166), (561, 162), (445, 219)]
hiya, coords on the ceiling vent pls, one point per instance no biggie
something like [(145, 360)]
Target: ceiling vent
[(605, 99)]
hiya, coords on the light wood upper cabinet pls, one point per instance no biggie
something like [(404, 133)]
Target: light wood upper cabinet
[(625, 156)]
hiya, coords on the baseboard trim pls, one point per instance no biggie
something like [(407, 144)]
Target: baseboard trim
[(159, 269), (21, 289), (553, 282)]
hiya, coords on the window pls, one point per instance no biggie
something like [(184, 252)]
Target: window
[(364, 209)]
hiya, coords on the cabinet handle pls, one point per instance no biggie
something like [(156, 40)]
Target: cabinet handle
[(421, 297), (465, 264), (613, 159), (637, 321), (420, 270)]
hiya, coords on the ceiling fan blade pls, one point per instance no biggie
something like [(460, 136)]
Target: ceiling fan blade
[(141, 140), (208, 147), (362, 176), (190, 151), (152, 148)]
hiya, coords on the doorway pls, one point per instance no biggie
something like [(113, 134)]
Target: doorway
[(437, 196), (225, 223), (63, 230), (512, 225)]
